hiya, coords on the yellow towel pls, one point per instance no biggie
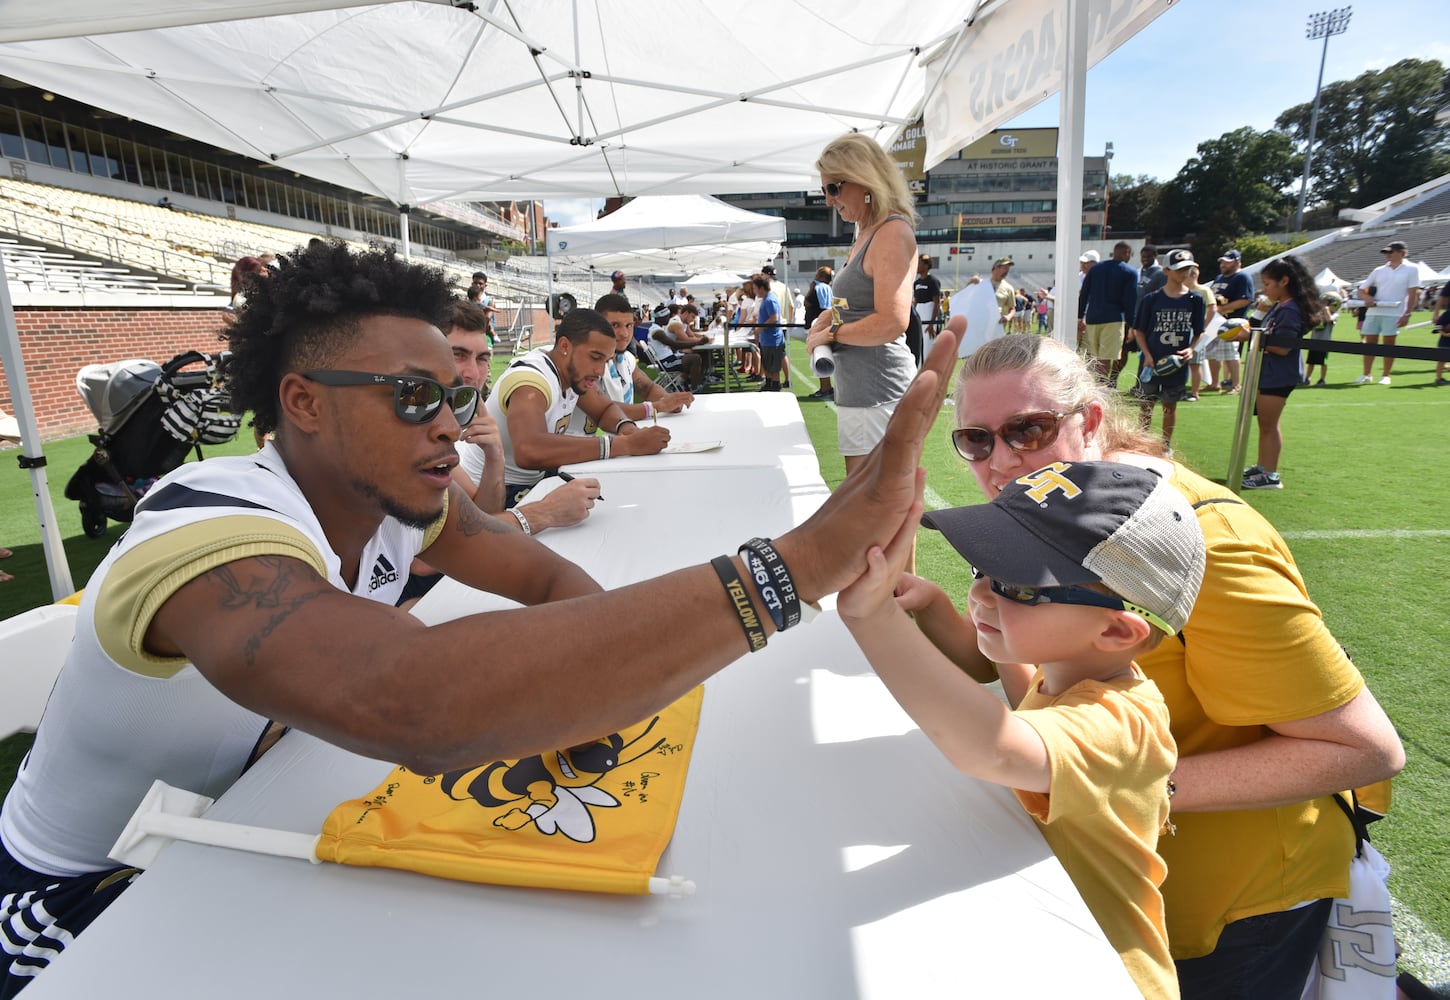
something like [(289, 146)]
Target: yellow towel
[(593, 818)]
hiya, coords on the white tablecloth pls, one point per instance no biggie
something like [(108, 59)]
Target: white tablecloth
[(756, 429), (836, 853)]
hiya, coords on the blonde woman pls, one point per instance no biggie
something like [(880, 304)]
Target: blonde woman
[(873, 364)]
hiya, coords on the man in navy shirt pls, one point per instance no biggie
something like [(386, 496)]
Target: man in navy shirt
[(1105, 307)]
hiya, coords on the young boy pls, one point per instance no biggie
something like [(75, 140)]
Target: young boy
[(1170, 322), (1079, 568)]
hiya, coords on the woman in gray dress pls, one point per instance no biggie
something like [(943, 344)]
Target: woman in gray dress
[(871, 293)]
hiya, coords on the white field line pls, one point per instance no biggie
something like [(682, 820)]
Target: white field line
[(1315, 535)]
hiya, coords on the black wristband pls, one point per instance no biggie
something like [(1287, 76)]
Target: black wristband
[(768, 593), (784, 584), (741, 601)]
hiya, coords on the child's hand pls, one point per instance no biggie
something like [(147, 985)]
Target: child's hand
[(874, 590), (915, 594)]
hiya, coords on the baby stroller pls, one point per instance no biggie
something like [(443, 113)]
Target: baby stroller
[(150, 416)]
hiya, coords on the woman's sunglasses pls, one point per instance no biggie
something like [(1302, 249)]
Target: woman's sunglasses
[(416, 400), (1024, 432), (1069, 595), (834, 188)]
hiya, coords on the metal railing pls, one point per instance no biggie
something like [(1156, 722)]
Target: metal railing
[(92, 242)]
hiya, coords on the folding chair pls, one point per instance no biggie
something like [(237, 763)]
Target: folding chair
[(35, 643), (667, 380)]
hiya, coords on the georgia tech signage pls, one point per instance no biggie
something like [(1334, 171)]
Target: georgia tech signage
[(1038, 142)]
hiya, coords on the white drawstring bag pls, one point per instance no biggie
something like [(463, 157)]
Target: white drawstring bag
[(1357, 953)]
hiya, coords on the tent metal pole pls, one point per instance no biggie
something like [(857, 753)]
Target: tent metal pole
[(403, 227), (31, 455), (1069, 171)]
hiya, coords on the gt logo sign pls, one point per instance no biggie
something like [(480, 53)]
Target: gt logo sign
[(1045, 481), (1009, 140)]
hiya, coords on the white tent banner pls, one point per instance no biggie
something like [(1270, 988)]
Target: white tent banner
[(1013, 58)]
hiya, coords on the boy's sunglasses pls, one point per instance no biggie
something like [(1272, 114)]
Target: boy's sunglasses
[(416, 400), (1024, 432), (833, 188), (1069, 595)]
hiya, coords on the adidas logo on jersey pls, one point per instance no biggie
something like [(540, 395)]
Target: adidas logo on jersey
[(383, 574)]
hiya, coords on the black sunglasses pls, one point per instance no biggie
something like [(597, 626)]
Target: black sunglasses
[(416, 400), (833, 189), (1024, 432), (1069, 595)]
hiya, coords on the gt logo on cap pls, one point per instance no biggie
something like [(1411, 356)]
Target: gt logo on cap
[(1041, 484)]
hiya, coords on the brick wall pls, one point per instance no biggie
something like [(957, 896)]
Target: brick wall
[(56, 343)]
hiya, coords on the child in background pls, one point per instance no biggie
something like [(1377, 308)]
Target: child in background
[(1169, 322), (1079, 568)]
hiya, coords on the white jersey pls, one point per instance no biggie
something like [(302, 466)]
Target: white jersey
[(537, 371), (618, 379), (119, 716)]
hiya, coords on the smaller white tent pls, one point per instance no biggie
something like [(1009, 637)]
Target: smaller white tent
[(1427, 273), (712, 280), (671, 234), (1328, 279)]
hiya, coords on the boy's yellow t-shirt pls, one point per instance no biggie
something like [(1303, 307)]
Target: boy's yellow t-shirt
[(1110, 754)]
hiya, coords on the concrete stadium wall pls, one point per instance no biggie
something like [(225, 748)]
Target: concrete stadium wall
[(57, 342)]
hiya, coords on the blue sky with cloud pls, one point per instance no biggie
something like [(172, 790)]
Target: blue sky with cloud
[(1206, 67)]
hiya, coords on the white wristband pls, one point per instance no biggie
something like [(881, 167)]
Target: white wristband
[(523, 521), (649, 410), (604, 445)]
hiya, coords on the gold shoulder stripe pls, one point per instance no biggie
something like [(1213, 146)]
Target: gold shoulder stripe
[(516, 379), (436, 528), (144, 579)]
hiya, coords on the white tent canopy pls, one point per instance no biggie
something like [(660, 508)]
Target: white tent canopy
[(1328, 279), (417, 101), (671, 234)]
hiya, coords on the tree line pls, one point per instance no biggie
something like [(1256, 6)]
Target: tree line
[(1377, 135)]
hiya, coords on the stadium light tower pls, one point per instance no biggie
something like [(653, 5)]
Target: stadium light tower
[(1324, 24)]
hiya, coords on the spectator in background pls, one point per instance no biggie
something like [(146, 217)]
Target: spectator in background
[(818, 300), (1151, 277), (926, 294), (673, 344), (1105, 307), (1085, 264), (1198, 367), (1233, 294), (616, 283), (1323, 331), (1002, 288), (787, 317), (1043, 308), (1390, 294), (1442, 326), (769, 333), (1296, 307), (245, 271)]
